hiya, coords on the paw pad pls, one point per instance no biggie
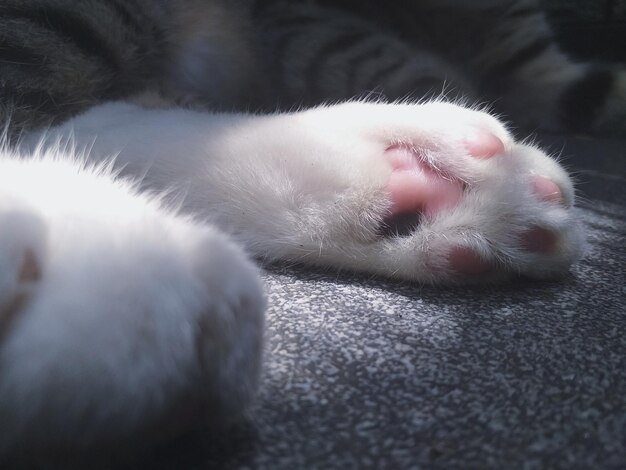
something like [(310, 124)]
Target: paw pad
[(468, 262), (547, 189), (415, 187), (539, 240), (484, 145)]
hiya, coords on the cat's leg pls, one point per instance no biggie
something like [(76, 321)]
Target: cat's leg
[(327, 186), (118, 318)]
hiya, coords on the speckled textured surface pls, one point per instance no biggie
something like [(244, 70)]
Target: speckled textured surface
[(365, 373)]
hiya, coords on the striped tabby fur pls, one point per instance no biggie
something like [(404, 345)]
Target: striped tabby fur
[(60, 57)]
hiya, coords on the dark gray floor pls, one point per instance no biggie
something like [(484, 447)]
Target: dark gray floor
[(366, 373)]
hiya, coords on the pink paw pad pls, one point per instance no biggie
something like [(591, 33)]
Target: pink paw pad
[(539, 240), (484, 145), (547, 190), (468, 262), (416, 187)]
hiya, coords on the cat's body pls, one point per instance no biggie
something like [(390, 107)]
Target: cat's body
[(118, 314), (61, 57)]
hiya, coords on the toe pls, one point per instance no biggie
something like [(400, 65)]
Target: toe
[(13, 301), (539, 240), (30, 270), (466, 261), (414, 187), (483, 145), (547, 189)]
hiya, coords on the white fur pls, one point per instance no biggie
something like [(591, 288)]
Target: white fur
[(108, 337), (137, 309)]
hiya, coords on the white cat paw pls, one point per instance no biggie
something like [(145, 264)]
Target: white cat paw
[(480, 205), (487, 206), (119, 318)]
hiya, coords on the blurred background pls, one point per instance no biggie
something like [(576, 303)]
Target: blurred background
[(590, 28)]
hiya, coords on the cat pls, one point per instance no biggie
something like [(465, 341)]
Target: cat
[(134, 172)]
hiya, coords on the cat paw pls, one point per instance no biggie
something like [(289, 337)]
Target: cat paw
[(425, 196), (431, 193), (121, 321), (486, 207)]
